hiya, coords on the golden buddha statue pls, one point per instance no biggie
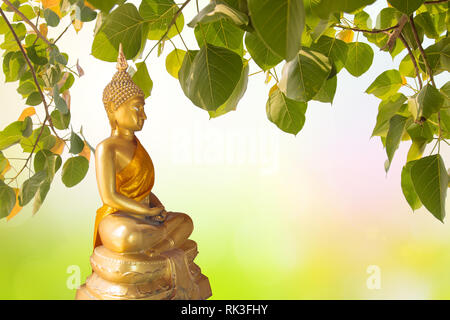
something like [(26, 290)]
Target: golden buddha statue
[(141, 251)]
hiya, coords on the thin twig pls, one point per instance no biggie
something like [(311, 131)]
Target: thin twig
[(27, 21), (367, 31), (63, 32), (422, 52), (172, 22), (435, 2), (413, 59)]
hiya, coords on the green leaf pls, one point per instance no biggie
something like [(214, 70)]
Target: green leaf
[(359, 58), (406, 6), (303, 77), (287, 114), (261, 54), (12, 134), (105, 6), (406, 67), (56, 57), (76, 144), (416, 150), (238, 93), (60, 121), (362, 20), (430, 181), (159, 14), (336, 50), (420, 131), (212, 77), (46, 140), (7, 200), (14, 66), (279, 24), (3, 163), (68, 83), (74, 170), (30, 187), (445, 91), (217, 10), (48, 161), (37, 57), (408, 187), (123, 25), (84, 13), (386, 84), (142, 79), (41, 194), (397, 126), (185, 70), (323, 8), (327, 92), (425, 21), (51, 17), (429, 100), (174, 61), (34, 99), (221, 33), (60, 103), (434, 54), (27, 127)]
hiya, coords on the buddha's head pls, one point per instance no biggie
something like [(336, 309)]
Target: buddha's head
[(123, 99)]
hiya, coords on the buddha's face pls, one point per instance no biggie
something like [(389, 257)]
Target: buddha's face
[(130, 114)]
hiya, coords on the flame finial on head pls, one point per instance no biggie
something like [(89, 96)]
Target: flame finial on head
[(121, 88), (122, 64)]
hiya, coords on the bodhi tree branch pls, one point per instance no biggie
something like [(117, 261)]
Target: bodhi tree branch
[(27, 21)]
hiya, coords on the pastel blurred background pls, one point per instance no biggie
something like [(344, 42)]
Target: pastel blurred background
[(276, 216)]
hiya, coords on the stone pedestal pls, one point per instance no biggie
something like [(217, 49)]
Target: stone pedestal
[(172, 275)]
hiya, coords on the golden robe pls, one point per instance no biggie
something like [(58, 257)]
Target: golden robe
[(135, 181)]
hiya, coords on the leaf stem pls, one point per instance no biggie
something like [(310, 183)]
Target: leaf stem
[(435, 2), (27, 21), (413, 59), (366, 31)]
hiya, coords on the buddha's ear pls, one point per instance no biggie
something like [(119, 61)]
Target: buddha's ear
[(110, 108)]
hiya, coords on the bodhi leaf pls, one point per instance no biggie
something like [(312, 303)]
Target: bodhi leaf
[(303, 77), (334, 49), (430, 181), (49, 161), (386, 84), (76, 144), (159, 14), (123, 25), (184, 73), (212, 77), (74, 170), (359, 58), (279, 24), (287, 114), (323, 8), (30, 187), (217, 10), (51, 17), (221, 33), (174, 61), (7, 199), (46, 140), (105, 6), (408, 187), (60, 121), (397, 126), (327, 92), (429, 100), (14, 132), (40, 195), (238, 93), (406, 6), (261, 54), (142, 78)]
